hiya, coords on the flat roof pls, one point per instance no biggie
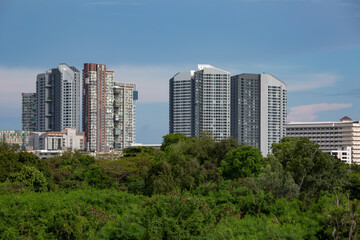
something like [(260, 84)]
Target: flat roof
[(318, 123)]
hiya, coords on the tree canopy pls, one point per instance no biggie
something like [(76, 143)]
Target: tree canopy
[(245, 161), (192, 188)]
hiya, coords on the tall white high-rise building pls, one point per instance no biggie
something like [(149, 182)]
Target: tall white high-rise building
[(200, 101), (258, 110), (212, 101), (98, 107), (125, 95), (58, 99)]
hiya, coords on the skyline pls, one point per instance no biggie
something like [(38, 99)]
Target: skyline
[(311, 45)]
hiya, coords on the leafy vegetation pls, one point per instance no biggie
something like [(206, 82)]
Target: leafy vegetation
[(192, 188)]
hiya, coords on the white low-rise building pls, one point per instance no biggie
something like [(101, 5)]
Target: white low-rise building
[(68, 139), (341, 139)]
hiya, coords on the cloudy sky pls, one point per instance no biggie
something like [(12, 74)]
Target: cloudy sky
[(312, 45)]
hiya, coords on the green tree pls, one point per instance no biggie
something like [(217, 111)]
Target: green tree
[(131, 171), (221, 148), (311, 169), (126, 226), (31, 177), (242, 162), (338, 215), (134, 151), (189, 163), (354, 184), (273, 179), (170, 139), (74, 170), (161, 179), (12, 162), (6, 147), (8, 164), (176, 217)]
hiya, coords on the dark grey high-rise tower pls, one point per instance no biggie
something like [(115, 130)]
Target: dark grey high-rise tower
[(245, 108), (181, 103), (28, 111), (200, 101), (58, 99), (258, 110)]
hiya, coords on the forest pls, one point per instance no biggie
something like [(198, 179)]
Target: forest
[(192, 188)]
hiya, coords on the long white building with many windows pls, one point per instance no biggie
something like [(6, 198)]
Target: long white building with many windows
[(341, 139)]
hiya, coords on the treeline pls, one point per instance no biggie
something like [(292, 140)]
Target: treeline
[(193, 188)]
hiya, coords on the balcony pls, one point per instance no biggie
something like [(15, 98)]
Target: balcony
[(117, 145)]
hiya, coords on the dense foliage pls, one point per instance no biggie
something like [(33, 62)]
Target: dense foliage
[(192, 188)]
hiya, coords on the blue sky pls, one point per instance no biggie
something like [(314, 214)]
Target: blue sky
[(312, 45)]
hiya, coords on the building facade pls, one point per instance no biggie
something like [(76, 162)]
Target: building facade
[(180, 97), (51, 141), (341, 138), (258, 110), (28, 111), (20, 138), (58, 99), (344, 154), (211, 104), (200, 101), (98, 107), (125, 96)]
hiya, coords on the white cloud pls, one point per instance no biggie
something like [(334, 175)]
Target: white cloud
[(312, 81), (308, 112), (13, 82), (152, 82)]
